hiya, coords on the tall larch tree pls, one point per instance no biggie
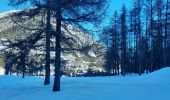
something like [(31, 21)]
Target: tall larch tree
[(123, 40)]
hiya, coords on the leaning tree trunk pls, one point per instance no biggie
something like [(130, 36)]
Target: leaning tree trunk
[(47, 56), (56, 86)]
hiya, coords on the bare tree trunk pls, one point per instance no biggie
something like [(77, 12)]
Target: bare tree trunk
[(151, 34), (123, 42), (23, 58), (166, 33), (159, 37), (47, 67), (17, 68), (139, 32), (7, 69), (56, 86)]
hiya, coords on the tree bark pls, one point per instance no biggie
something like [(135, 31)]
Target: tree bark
[(47, 56), (56, 86)]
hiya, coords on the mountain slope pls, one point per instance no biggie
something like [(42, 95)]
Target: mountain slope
[(89, 54)]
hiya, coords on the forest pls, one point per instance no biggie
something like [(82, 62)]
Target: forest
[(138, 39)]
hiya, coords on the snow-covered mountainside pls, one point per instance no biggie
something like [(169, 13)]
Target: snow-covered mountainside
[(154, 86), (78, 61)]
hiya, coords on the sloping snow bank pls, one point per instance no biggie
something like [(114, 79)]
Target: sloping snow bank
[(154, 86), (158, 77), (165, 72)]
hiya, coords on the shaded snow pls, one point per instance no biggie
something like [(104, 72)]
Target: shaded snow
[(154, 86)]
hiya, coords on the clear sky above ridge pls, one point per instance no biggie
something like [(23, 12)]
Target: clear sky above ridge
[(113, 5)]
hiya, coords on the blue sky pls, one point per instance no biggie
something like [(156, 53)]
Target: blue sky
[(113, 5), (116, 4), (4, 6)]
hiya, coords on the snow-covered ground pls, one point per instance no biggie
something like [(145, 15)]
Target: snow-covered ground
[(154, 86)]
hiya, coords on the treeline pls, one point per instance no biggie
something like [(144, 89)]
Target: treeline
[(138, 38)]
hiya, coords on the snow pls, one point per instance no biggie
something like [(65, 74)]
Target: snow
[(4, 14), (153, 86), (2, 71), (91, 53)]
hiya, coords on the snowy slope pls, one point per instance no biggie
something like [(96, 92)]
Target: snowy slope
[(90, 56), (8, 13), (154, 86)]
